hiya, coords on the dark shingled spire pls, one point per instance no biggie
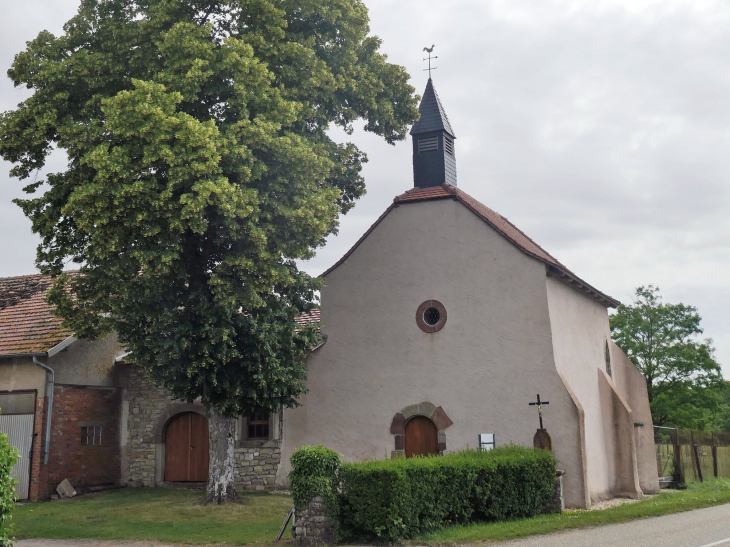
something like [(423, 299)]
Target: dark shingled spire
[(433, 116), (434, 162)]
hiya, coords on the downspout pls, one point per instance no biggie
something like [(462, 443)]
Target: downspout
[(49, 390)]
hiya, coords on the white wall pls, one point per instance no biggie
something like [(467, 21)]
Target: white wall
[(580, 331), (489, 361)]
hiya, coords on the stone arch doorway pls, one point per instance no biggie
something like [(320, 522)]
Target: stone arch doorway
[(421, 437), (186, 448), (435, 415)]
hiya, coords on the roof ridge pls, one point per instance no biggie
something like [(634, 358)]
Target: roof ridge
[(24, 275), (499, 223), (508, 221)]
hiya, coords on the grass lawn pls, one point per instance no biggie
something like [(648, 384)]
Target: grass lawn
[(171, 515), (696, 496)]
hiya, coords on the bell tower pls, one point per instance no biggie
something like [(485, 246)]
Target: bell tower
[(434, 160)]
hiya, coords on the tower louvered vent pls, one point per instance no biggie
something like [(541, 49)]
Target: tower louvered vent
[(449, 145), (429, 144)]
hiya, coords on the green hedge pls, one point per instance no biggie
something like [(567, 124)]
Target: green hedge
[(399, 499), (314, 472), (8, 456)]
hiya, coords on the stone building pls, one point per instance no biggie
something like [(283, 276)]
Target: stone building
[(440, 327), (108, 425)]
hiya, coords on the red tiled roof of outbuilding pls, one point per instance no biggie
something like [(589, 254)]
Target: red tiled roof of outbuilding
[(516, 236), (308, 318), (27, 324)]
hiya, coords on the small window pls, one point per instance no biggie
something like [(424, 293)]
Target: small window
[(431, 316), (608, 360), (91, 435), (257, 427), (449, 145), (429, 144)]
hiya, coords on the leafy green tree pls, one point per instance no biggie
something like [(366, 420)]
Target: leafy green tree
[(199, 170), (722, 418), (8, 456), (681, 373)]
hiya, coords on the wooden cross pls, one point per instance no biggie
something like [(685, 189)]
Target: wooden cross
[(429, 50), (539, 404)]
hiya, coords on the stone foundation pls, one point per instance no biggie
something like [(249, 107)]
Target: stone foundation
[(311, 527), (255, 467), (557, 502)]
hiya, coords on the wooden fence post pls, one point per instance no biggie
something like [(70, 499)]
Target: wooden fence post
[(714, 455), (696, 450), (679, 467)]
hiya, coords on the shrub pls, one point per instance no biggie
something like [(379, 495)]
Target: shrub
[(402, 498), (314, 472), (8, 457)]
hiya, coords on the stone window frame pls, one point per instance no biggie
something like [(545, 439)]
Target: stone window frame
[(274, 433), (425, 327), (426, 409)]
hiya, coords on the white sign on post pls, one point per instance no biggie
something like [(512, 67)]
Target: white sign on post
[(486, 441)]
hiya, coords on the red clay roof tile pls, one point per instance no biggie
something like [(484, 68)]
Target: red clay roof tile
[(26, 322)]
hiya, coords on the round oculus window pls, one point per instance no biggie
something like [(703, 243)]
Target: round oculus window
[(431, 316)]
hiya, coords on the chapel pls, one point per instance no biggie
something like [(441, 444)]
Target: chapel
[(441, 329), (445, 321)]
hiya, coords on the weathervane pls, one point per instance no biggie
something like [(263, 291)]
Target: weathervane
[(429, 50)]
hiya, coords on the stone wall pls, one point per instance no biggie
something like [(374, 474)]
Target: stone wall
[(146, 405), (148, 409), (311, 526), (256, 467)]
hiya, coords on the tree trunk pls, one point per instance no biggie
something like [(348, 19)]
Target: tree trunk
[(220, 469)]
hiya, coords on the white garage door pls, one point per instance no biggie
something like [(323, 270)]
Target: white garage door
[(19, 429)]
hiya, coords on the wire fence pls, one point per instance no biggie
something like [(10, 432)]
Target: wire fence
[(692, 455)]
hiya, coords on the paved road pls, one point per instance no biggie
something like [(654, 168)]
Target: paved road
[(701, 528)]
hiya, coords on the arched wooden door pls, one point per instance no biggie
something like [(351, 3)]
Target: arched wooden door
[(186, 448), (422, 437)]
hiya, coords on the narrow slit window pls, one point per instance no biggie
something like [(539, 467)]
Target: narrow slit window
[(608, 360), (429, 144), (449, 145), (257, 427), (91, 435)]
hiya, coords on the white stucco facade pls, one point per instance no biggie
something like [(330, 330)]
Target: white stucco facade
[(511, 332)]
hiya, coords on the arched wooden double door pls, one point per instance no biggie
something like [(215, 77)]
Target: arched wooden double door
[(422, 437), (186, 448)]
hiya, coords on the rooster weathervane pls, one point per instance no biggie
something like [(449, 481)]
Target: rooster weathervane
[(429, 50)]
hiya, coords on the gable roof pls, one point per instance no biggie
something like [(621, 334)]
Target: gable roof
[(433, 116), (508, 230), (27, 325)]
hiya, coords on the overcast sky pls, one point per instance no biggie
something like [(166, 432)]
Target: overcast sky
[(600, 128)]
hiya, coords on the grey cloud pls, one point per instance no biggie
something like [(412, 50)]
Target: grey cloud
[(601, 128)]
